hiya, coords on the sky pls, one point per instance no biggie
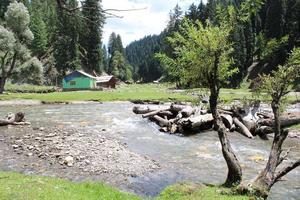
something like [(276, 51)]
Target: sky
[(136, 24)]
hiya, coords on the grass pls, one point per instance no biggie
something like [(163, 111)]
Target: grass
[(27, 88), (188, 191), (15, 186), (159, 92), (297, 127), (123, 93)]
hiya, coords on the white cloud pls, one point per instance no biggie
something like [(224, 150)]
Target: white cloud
[(137, 24)]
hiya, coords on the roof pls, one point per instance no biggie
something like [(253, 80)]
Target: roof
[(86, 74), (99, 79), (103, 79)]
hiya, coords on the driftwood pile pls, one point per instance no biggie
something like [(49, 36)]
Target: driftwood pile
[(14, 119), (186, 119)]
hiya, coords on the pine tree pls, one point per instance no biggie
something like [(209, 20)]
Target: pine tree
[(91, 35), (66, 50), (39, 29)]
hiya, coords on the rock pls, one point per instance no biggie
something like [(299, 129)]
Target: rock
[(87, 162), (29, 154), (30, 147), (41, 128), (69, 161), (15, 146)]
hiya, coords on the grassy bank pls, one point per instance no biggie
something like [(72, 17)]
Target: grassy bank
[(188, 191), (161, 92), (15, 186)]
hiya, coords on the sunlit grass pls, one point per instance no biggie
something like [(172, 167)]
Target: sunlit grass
[(14, 186)]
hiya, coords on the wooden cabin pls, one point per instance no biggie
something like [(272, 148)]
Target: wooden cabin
[(80, 80)]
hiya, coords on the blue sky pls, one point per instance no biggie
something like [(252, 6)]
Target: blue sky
[(135, 25)]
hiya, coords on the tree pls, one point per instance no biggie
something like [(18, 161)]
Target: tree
[(206, 50), (90, 39), (3, 8), (39, 29), (66, 46), (14, 39), (277, 86)]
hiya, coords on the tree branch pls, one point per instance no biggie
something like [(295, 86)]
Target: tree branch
[(286, 170), (282, 158)]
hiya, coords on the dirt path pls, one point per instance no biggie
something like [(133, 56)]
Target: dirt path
[(71, 153)]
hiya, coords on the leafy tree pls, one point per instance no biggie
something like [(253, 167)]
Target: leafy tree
[(90, 40), (14, 38), (277, 86), (206, 50)]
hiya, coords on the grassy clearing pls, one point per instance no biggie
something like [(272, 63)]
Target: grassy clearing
[(15, 186), (159, 92), (123, 93), (187, 191)]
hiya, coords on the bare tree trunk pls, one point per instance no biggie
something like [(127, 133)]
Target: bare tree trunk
[(267, 177), (234, 175), (2, 84)]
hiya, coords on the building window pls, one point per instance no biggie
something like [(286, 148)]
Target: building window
[(72, 82)]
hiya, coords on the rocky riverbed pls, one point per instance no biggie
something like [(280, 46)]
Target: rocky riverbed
[(71, 153)]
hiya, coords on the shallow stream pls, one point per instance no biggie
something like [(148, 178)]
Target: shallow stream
[(196, 158)]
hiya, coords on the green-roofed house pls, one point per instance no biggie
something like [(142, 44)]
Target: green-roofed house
[(80, 80)]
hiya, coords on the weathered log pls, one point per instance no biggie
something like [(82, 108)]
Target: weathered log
[(243, 129), (165, 113), (195, 123), (13, 119), (177, 118), (285, 121), (153, 113), (227, 120), (177, 108), (161, 121), (188, 111), (263, 132), (141, 110)]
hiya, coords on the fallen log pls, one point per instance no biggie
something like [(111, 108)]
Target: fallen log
[(177, 108), (285, 122), (141, 110), (13, 119), (227, 120), (153, 113), (188, 111), (161, 121), (165, 113), (195, 123), (243, 129)]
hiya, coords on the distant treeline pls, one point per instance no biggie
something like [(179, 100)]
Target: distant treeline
[(260, 44)]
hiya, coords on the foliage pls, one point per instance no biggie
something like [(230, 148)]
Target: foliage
[(66, 50), (279, 83), (17, 186), (14, 39), (196, 49), (90, 37)]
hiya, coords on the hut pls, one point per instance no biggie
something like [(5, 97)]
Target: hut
[(80, 80)]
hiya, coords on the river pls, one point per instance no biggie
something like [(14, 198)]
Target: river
[(196, 158)]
